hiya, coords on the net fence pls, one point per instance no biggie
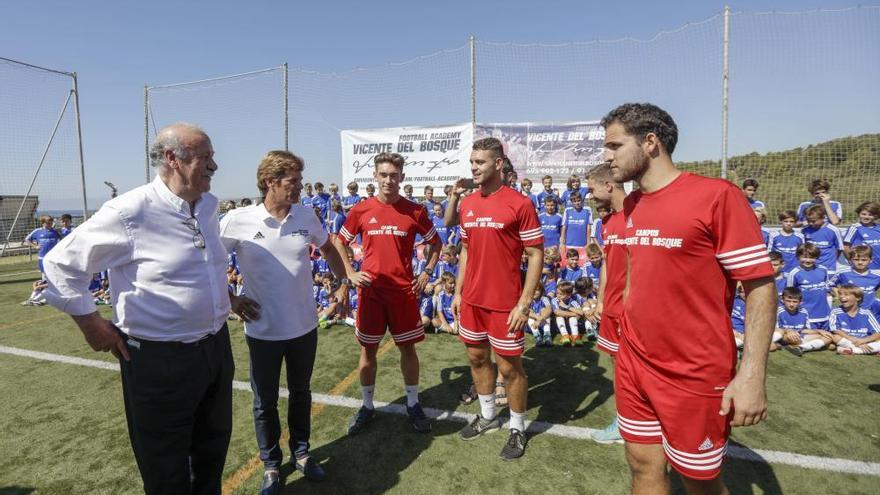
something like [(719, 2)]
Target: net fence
[(34, 101)]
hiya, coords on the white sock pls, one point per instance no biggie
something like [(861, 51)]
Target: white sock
[(547, 329), (534, 328), (517, 421), (487, 405), (812, 345), (853, 350), (875, 347), (412, 395), (846, 343), (777, 336), (350, 322), (367, 392), (573, 321), (560, 324)]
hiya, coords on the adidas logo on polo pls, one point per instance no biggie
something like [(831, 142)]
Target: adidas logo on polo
[(259, 236), (706, 445), (470, 213), (373, 220)]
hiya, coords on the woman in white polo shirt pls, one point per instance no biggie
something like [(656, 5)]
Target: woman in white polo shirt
[(272, 243)]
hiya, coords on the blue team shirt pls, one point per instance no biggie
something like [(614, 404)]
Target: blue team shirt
[(576, 223), (418, 265), (836, 207), (755, 204), (353, 298), (571, 274), (441, 229), (869, 282), (335, 222), (765, 236), (863, 324), (827, 239), (597, 232), (593, 272), (544, 195), (550, 287), (443, 266), (738, 315), (538, 305), (426, 306), (868, 235), (786, 245), (781, 283), (324, 296), (445, 301), (307, 201), (320, 265), (321, 201), (551, 226), (797, 321), (352, 200), (534, 199), (566, 196), (64, 231), (564, 305), (45, 238), (814, 287)]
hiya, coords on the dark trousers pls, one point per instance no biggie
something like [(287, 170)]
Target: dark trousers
[(266, 357), (178, 404)]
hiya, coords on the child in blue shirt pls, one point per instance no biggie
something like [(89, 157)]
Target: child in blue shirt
[(791, 319), (859, 275), (776, 263), (825, 237), (547, 182), (814, 282), (43, 239), (602, 211), (568, 314), (576, 223), (444, 319), (594, 268), (352, 199), (866, 232), (571, 271), (439, 225), (584, 295), (786, 240), (854, 330), (738, 318), (551, 224), (527, 192), (540, 311)]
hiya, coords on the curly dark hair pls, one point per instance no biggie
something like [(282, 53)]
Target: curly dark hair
[(641, 119)]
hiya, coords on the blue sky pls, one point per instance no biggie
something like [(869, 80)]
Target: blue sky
[(117, 47)]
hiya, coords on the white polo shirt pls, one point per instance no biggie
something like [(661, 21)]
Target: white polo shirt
[(273, 258), (164, 284)]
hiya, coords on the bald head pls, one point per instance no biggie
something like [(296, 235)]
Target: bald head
[(179, 139)]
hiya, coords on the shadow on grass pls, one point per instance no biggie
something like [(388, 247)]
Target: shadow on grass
[(874, 387), (16, 490), (372, 461), (561, 378), (742, 477)]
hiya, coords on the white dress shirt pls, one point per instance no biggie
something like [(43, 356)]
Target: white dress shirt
[(273, 258), (163, 286)]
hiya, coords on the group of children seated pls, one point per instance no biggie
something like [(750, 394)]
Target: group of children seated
[(805, 318)]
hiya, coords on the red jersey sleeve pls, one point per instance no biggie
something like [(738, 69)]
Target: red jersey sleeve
[(351, 228), (739, 246), (530, 232), (425, 227)]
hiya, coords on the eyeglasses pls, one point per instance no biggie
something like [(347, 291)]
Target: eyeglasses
[(193, 225)]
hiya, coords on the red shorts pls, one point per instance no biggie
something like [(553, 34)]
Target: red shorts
[(609, 334), (651, 411), (478, 325), (394, 310)]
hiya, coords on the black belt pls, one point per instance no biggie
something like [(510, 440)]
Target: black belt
[(139, 343)]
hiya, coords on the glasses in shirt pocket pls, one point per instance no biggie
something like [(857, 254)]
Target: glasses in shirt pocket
[(193, 225)]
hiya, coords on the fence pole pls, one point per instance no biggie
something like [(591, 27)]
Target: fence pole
[(79, 142), (286, 99), (473, 44), (725, 87), (147, 133)]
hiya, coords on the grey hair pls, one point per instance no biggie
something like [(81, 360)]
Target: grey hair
[(166, 140)]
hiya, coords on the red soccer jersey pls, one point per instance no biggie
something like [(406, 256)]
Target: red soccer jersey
[(688, 243), (388, 233), (614, 235), (496, 229)]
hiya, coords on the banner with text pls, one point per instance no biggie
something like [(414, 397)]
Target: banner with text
[(435, 156), (558, 149)]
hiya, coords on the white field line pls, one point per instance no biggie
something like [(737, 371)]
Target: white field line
[(19, 273), (571, 432)]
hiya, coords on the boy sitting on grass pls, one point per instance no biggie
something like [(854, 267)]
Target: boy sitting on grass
[(854, 330), (444, 320), (567, 312), (540, 312)]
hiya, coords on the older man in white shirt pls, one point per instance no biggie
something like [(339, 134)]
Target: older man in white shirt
[(167, 267), (272, 241)]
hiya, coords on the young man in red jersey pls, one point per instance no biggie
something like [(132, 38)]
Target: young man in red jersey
[(387, 292), (676, 384), (608, 194), (491, 302)]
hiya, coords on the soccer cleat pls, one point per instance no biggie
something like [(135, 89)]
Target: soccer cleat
[(565, 340), (478, 427), (515, 446), (796, 350), (417, 418), (609, 435), (360, 420), (548, 341), (271, 483), (577, 341)]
